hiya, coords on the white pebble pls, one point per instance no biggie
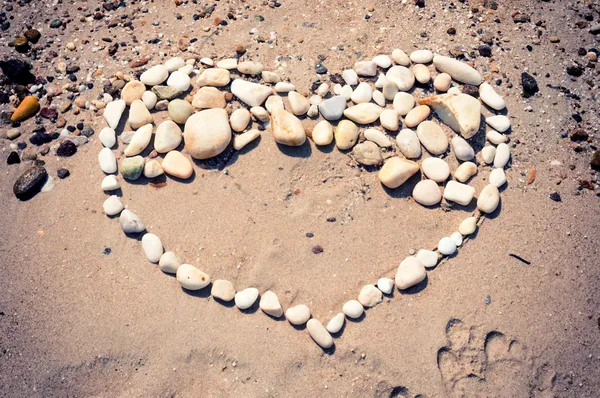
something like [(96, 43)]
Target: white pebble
[(353, 309), (336, 323), (246, 298), (386, 285), (153, 248), (447, 246)]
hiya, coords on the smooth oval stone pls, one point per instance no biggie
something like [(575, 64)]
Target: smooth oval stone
[(319, 334), (241, 140), (139, 115), (270, 77), (227, 63), (273, 102), (410, 273), (250, 67), (333, 108), (153, 247), (149, 99), (502, 155), (30, 182), (365, 68), (130, 222), (223, 290), (169, 263), (499, 123), (403, 103), (110, 183), (298, 315), (180, 110), (408, 143), (27, 108), (370, 296), (168, 137), (468, 226), (416, 116), (350, 77), (133, 90), (461, 112), (299, 104), (284, 87), (389, 119), (112, 206), (353, 309), (260, 113), (209, 97), (458, 70), (465, 171), (382, 60), (378, 98), (246, 298), (207, 133), (172, 64), (367, 153), (216, 77), (252, 94), (322, 134), (107, 161), (269, 304), (363, 113), (191, 278), (396, 171), (459, 193), (390, 89), (447, 246), (495, 137), (402, 76), (153, 169), (432, 137), (113, 112), (489, 198), (442, 82), (457, 238), (436, 169), (132, 168), (179, 80), (346, 134), (428, 258), (286, 128), (490, 97), (336, 323), (140, 140), (462, 150), (377, 137), (488, 153), (427, 193), (322, 90), (155, 75), (177, 165), (421, 56), (497, 177), (386, 285), (362, 93), (107, 137), (421, 73), (400, 57), (239, 119)]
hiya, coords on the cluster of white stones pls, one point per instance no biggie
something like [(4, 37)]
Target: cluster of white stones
[(208, 132)]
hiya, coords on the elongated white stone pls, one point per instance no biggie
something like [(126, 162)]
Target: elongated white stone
[(153, 247), (495, 137), (155, 75), (488, 153), (350, 77), (365, 68), (490, 97), (461, 112), (396, 171), (322, 134), (284, 87), (499, 123), (421, 56), (502, 155), (421, 72), (408, 143), (363, 113), (241, 140), (489, 198), (400, 57), (319, 334), (107, 137), (216, 77), (191, 278), (286, 128), (458, 70), (459, 193), (465, 171), (462, 150), (378, 98), (113, 112), (383, 61), (140, 140), (107, 161), (377, 137), (336, 323), (468, 226), (252, 94), (353, 309)]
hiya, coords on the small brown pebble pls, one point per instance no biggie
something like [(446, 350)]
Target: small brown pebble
[(158, 184), (371, 9), (317, 249), (301, 40), (240, 49), (554, 39), (153, 154), (228, 97), (297, 191), (531, 175), (451, 31)]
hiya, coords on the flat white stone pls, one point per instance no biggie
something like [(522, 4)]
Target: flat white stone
[(346, 134), (246, 298), (274, 101), (112, 206), (377, 137), (260, 113), (495, 137), (269, 304), (432, 137), (490, 97), (174, 63), (410, 273), (416, 116), (468, 226), (187, 69), (383, 61), (461, 112), (286, 128), (386, 285), (389, 119), (365, 68), (459, 193), (140, 140), (177, 165), (353, 309), (403, 103), (381, 81), (169, 263), (390, 89), (436, 169), (465, 171), (336, 323), (168, 136), (408, 143), (153, 247), (207, 133), (421, 56), (378, 98), (322, 134), (488, 153), (298, 315), (252, 94), (489, 198), (402, 76), (497, 177), (250, 67), (363, 113), (110, 183), (319, 334), (333, 108), (396, 171), (107, 137), (458, 70), (223, 290), (241, 140), (155, 75), (215, 77), (502, 155), (427, 193), (370, 296), (350, 77), (209, 97), (113, 112), (362, 93), (400, 57), (179, 80), (130, 222), (447, 246), (299, 104), (191, 278), (239, 119), (462, 150), (284, 87), (227, 63), (207, 61), (499, 123), (270, 77), (428, 258), (421, 73), (107, 161)]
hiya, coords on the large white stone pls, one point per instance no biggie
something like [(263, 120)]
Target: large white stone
[(153, 247), (270, 305), (461, 112), (140, 140), (336, 323), (499, 123), (155, 75), (253, 94), (458, 70), (502, 155), (319, 334), (298, 315), (246, 298), (490, 97), (402, 76), (286, 128), (113, 112), (107, 161), (363, 113), (410, 273), (459, 193), (191, 278), (207, 133)]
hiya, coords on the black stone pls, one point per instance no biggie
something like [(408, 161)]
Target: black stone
[(575, 70), (87, 132), (30, 182), (13, 158), (595, 162), (40, 139), (555, 196), (63, 173), (310, 235), (530, 86), (17, 71), (66, 148), (485, 50), (321, 69)]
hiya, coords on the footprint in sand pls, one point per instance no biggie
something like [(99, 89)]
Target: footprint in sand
[(478, 363)]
